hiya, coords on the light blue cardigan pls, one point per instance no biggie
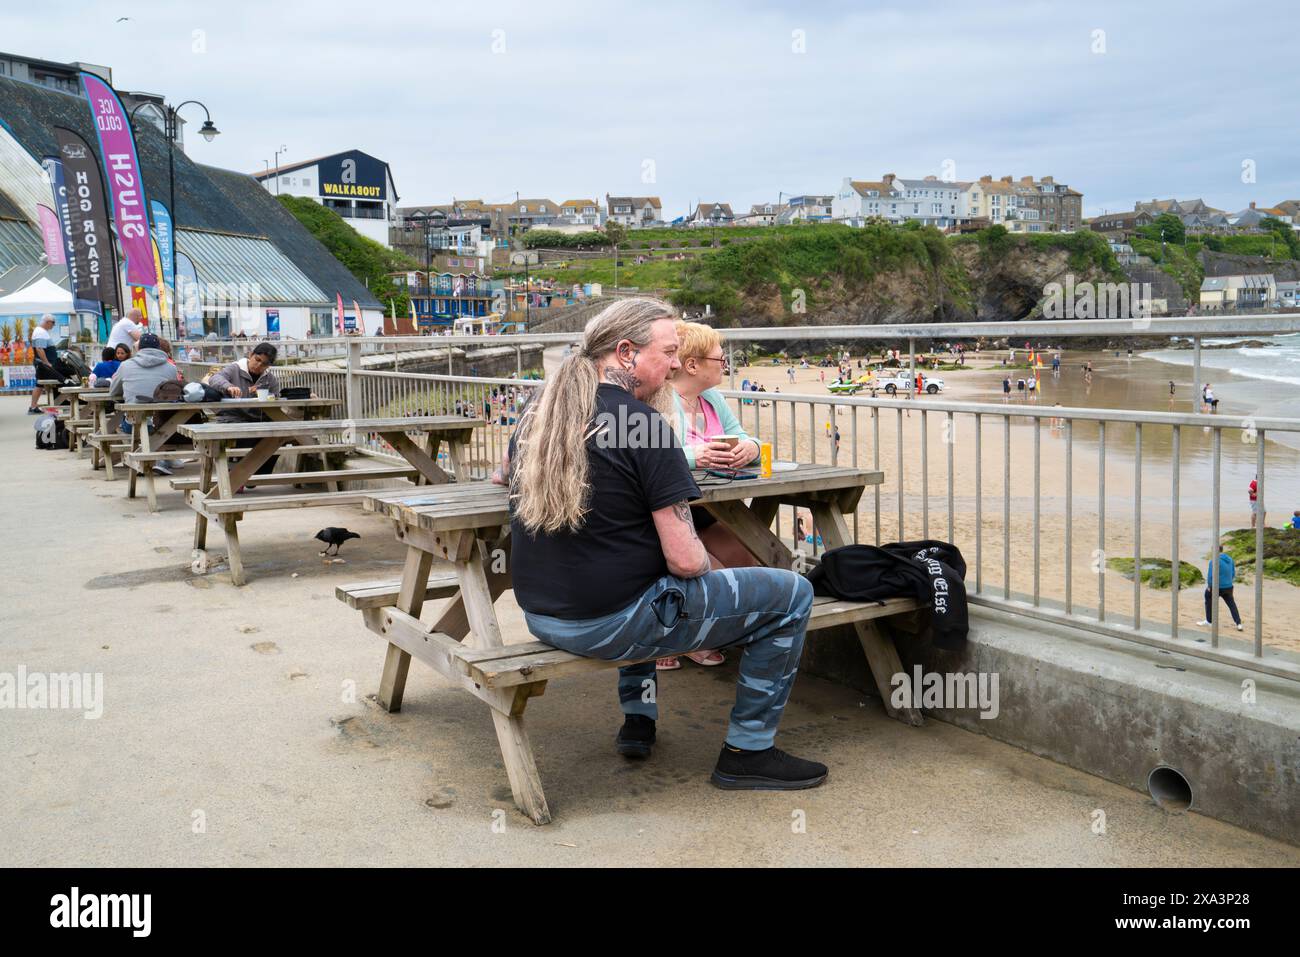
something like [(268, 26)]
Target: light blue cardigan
[(726, 418)]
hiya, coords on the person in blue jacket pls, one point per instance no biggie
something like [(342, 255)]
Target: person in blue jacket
[(109, 360), (1227, 572)]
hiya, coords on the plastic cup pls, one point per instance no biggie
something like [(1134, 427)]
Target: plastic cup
[(263, 394)]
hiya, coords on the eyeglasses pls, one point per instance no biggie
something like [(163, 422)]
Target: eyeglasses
[(708, 358)]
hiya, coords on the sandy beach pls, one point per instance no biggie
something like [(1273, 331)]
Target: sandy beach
[(1117, 383)]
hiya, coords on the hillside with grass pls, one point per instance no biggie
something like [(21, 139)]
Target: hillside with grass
[(369, 261), (1182, 255), (834, 274)]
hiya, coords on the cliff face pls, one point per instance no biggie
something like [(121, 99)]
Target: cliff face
[(1231, 264), (974, 285)]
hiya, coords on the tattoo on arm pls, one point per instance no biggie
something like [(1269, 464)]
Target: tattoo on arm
[(683, 513)]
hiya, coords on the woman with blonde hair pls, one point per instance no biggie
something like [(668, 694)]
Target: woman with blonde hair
[(701, 414)]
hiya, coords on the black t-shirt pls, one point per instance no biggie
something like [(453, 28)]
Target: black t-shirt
[(616, 555)]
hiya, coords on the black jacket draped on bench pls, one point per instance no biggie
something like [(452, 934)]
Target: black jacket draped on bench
[(931, 572)]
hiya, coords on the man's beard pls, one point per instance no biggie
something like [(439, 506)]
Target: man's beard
[(661, 400)]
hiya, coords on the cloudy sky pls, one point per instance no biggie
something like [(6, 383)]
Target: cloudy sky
[(720, 101)]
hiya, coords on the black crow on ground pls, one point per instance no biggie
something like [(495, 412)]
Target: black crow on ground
[(334, 536)]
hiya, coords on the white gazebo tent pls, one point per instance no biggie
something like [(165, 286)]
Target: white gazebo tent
[(40, 297)]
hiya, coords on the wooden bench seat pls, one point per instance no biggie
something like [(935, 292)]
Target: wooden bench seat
[(265, 503), (175, 455), (377, 594), (310, 478), (533, 661)]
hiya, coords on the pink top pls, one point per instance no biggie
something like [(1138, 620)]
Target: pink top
[(712, 425)]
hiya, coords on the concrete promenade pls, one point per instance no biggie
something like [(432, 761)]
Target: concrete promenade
[(238, 728)]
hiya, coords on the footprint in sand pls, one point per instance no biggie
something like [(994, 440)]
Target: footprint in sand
[(443, 799), (266, 648)]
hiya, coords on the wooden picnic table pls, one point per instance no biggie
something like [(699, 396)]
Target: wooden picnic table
[(154, 425), (51, 389), (213, 499), (468, 526), (103, 438), (78, 424)]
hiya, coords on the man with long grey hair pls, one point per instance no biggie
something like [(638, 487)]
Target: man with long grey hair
[(605, 559)]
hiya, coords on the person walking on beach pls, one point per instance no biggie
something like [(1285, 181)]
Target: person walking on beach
[(1227, 572), (1254, 501), (1209, 402), (1006, 389), (1171, 388)]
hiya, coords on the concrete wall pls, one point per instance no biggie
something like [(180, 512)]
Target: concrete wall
[(1117, 710)]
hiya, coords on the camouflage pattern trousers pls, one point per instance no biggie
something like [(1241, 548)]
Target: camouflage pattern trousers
[(763, 611)]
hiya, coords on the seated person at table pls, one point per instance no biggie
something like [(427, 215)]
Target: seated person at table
[(138, 377), (109, 361), (700, 412), (605, 559), (242, 378)]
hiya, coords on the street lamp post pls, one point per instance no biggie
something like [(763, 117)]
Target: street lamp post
[(276, 167), (209, 132)]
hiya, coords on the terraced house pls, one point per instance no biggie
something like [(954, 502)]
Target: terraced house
[(929, 201), (1025, 205), (634, 210), (711, 214), (579, 212)]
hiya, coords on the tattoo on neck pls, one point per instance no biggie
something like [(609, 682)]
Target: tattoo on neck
[(622, 378)]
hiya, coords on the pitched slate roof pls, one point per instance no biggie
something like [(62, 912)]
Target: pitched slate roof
[(636, 202), (280, 226), (207, 198)]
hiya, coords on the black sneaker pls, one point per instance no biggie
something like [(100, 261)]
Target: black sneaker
[(636, 737), (769, 770), (34, 411)]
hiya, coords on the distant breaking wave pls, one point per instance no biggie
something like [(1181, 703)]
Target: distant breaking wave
[(1273, 363)]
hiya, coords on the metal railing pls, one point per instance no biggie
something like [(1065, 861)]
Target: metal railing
[(1042, 550), (973, 480)]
